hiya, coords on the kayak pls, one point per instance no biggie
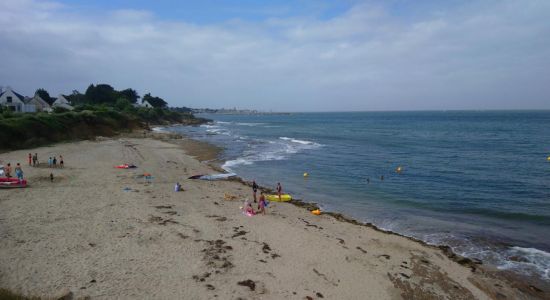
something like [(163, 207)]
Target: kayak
[(284, 198), (125, 166), (214, 176), (12, 183)]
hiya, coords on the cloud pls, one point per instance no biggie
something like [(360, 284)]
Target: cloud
[(481, 55)]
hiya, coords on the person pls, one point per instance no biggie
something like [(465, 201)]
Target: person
[(177, 187), (54, 162), (248, 208), (49, 162), (36, 158), (19, 172), (30, 159), (61, 161), (262, 204), (51, 177), (279, 190), (368, 180), (8, 170), (382, 177), (254, 189)]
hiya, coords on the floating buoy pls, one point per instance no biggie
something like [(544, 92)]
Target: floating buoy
[(399, 169), (306, 174), (548, 158), (316, 212)]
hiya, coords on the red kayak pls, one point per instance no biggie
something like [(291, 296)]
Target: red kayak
[(12, 183), (125, 166)]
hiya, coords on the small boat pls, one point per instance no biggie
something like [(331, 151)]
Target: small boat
[(12, 183)]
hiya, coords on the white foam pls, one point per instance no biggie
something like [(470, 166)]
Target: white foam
[(269, 150), (284, 138), (159, 129), (530, 259), (249, 124)]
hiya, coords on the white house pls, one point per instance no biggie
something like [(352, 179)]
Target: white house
[(15, 101), (39, 103), (143, 103), (61, 101)]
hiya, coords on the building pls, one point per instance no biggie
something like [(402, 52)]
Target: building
[(39, 103), (61, 101), (15, 101), (144, 103)]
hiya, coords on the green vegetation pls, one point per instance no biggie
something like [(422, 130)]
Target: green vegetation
[(102, 111)]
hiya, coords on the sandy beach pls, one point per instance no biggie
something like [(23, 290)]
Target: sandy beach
[(103, 233)]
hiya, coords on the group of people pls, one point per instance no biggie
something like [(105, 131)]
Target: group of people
[(18, 171), (33, 162), (52, 161), (262, 203)]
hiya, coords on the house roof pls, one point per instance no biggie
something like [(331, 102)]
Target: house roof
[(21, 97)]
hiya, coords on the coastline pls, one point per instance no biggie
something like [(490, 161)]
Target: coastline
[(533, 287), (365, 255)]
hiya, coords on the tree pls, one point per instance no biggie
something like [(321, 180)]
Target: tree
[(101, 93), (130, 94), (42, 93), (154, 101), (76, 98)]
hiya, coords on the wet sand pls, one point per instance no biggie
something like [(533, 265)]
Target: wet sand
[(104, 233)]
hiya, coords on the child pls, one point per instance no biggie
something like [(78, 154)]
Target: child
[(61, 161), (248, 210), (30, 159), (279, 190), (51, 177), (254, 189), (8, 170), (262, 204), (19, 172)]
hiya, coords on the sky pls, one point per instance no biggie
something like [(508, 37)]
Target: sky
[(276, 55)]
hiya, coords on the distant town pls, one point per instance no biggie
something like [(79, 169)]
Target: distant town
[(234, 111)]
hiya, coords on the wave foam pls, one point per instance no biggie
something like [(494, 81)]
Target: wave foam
[(269, 150), (284, 138)]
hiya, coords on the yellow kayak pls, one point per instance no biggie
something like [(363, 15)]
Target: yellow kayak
[(284, 198)]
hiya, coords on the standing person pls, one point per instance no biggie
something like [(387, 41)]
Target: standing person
[(30, 159), (262, 204), (279, 190), (49, 162), (54, 161), (51, 177), (36, 156), (19, 172), (34, 160), (254, 189), (8, 170), (61, 161)]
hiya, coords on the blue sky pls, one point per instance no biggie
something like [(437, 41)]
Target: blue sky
[(300, 55)]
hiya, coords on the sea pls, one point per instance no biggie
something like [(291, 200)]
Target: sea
[(477, 181)]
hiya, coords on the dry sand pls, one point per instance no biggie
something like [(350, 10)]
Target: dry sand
[(86, 234)]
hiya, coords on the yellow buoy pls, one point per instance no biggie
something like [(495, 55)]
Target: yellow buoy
[(306, 174), (548, 158)]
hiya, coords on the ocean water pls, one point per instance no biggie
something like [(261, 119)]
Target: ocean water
[(476, 181)]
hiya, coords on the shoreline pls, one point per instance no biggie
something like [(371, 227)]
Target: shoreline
[(521, 282), (367, 251)]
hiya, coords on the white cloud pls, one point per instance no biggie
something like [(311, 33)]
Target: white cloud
[(483, 55)]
